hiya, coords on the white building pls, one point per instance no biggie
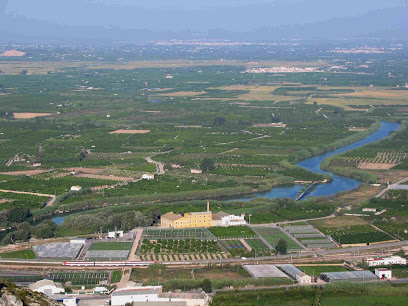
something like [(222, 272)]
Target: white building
[(78, 241), (303, 278), (139, 294), (196, 171), (115, 234), (383, 273), (46, 286), (76, 188), (296, 274), (65, 299), (225, 219), (148, 177), (370, 209), (393, 260)]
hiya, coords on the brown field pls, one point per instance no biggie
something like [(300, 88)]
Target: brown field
[(27, 172), (30, 115), (13, 53), (5, 201), (105, 177), (130, 132), (363, 96), (340, 221), (257, 93), (376, 166), (188, 126)]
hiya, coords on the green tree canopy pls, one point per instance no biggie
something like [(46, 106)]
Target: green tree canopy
[(207, 164), (282, 247)]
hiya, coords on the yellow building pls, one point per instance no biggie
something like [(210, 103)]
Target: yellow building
[(193, 219)]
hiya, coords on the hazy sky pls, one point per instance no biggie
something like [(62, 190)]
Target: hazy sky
[(196, 15)]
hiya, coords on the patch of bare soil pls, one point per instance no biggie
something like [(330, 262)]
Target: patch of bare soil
[(30, 115), (130, 132)]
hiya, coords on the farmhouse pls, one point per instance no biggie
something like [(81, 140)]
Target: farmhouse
[(115, 234), (196, 171), (393, 260), (225, 219), (47, 287), (76, 188), (148, 176), (383, 273)]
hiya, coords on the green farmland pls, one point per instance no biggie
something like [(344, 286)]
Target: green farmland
[(107, 246), (273, 235)]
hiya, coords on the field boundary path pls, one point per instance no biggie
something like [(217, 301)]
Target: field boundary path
[(274, 224), (390, 186), (132, 255), (245, 244), (125, 277), (49, 202), (26, 192)]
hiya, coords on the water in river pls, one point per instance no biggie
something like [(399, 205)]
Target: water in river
[(339, 183)]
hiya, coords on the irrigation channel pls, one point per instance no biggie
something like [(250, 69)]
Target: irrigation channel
[(338, 183)]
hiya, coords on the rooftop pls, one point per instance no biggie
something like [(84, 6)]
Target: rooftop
[(171, 216)]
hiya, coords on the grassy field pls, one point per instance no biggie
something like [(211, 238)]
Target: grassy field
[(273, 235), (23, 254), (364, 300), (232, 231), (103, 246), (256, 244), (317, 270), (116, 276)]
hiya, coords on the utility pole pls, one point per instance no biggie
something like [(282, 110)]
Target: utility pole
[(249, 216)]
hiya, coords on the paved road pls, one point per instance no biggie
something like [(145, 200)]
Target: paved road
[(390, 186), (159, 165)]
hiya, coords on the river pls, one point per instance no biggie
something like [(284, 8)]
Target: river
[(339, 183)]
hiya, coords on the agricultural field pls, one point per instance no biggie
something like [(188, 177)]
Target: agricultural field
[(317, 270), (80, 279), (309, 236), (258, 245), (273, 235), (107, 246), (233, 232), (187, 246), (116, 276), (106, 119), (350, 230), (189, 279), (23, 254), (171, 233)]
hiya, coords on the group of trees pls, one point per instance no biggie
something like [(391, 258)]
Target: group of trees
[(6, 115), (108, 220), (25, 231)]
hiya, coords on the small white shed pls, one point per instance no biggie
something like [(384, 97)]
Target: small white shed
[(383, 273)]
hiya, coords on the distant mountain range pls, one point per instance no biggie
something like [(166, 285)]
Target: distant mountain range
[(384, 23)]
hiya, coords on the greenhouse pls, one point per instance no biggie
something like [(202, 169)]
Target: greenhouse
[(355, 276)]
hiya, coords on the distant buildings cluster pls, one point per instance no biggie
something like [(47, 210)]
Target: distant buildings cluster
[(281, 69)]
